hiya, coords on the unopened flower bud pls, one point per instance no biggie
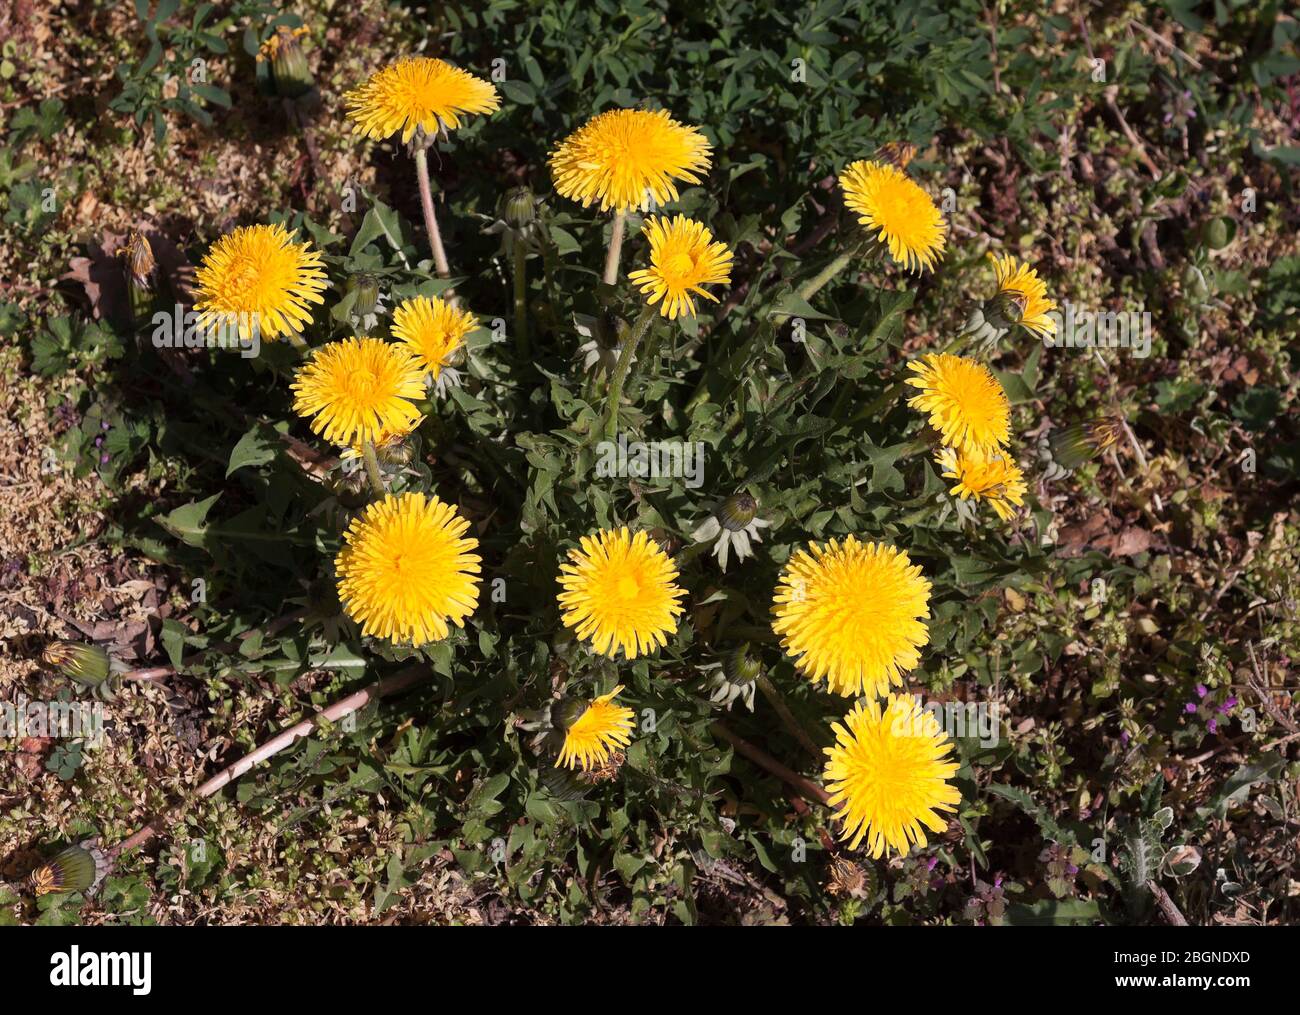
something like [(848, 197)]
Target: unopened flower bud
[(139, 267), (1006, 309), (1218, 232), (740, 667), (77, 869), (519, 207), (366, 287), (737, 511), (289, 71), (1081, 442), (87, 665)]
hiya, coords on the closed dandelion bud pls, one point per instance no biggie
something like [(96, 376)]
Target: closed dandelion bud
[(366, 288), (86, 665), (77, 869), (289, 71), (395, 453), (1218, 232), (733, 678), (1081, 442), (895, 153), (1070, 446), (139, 267), (740, 667), (1006, 309), (520, 208), (737, 511), (352, 488)]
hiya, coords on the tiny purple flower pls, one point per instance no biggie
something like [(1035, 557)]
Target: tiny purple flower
[(1201, 690), (1190, 707), (1213, 725)]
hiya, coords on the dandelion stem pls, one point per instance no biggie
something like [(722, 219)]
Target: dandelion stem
[(615, 249), (430, 219), (639, 329), (341, 708), (372, 469), (806, 788), (777, 701), (521, 297)]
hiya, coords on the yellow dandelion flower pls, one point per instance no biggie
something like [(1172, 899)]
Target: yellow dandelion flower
[(432, 329), (359, 389), (965, 402), (852, 613), (407, 568), (601, 730), (418, 93), (887, 775), (995, 478), (619, 592), (1021, 283), (683, 257), (259, 277), (903, 216), (629, 158)]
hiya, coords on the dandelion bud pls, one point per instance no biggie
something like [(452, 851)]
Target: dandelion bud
[(77, 869), (733, 677), (740, 667), (87, 665), (289, 71), (519, 208), (395, 454), (1081, 442), (895, 153), (1006, 309), (366, 287), (1217, 233), (351, 488), (139, 267), (737, 511)]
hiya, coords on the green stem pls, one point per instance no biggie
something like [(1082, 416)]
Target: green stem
[(521, 298), (615, 248), (372, 469), (620, 370)]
